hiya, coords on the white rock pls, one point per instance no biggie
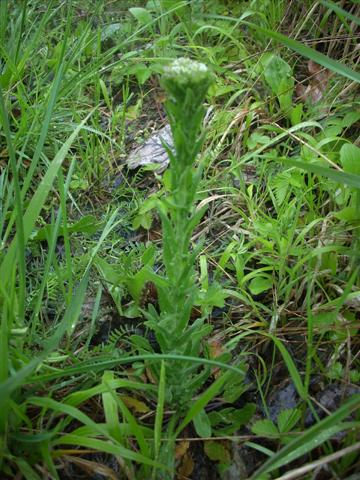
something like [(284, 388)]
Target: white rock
[(152, 151)]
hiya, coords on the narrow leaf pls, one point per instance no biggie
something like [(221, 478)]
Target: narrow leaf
[(308, 52), (338, 176)]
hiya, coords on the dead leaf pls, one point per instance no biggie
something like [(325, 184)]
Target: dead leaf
[(92, 468), (136, 405), (218, 451), (313, 67), (150, 376), (314, 91), (316, 94), (310, 93), (186, 467), (216, 349), (181, 449)]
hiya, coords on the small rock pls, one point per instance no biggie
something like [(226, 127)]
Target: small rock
[(283, 398), (152, 151)]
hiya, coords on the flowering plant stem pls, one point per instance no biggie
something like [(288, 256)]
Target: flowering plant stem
[(186, 83)]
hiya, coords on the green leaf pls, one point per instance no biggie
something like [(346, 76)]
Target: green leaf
[(228, 420), (235, 386), (278, 75), (142, 15), (257, 139), (348, 214), (107, 271), (336, 175), (204, 399), (148, 257), (260, 284), (110, 407), (159, 410), (335, 371), (350, 158), (287, 419), (217, 452), (214, 296), (110, 30), (141, 72), (87, 224), (325, 321), (350, 118), (265, 428), (275, 70), (296, 114), (142, 220), (280, 183), (28, 472), (202, 424)]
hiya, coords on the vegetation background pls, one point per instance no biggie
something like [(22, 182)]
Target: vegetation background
[(261, 379)]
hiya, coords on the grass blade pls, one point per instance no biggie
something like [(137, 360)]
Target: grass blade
[(294, 373), (308, 52), (110, 408), (345, 178), (103, 365), (107, 447), (6, 388), (38, 200), (159, 413), (203, 400), (340, 11), (20, 236)]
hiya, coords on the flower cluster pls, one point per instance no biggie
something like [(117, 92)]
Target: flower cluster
[(184, 70), (184, 75)]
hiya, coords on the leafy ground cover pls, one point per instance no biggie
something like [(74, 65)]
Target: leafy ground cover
[(200, 321)]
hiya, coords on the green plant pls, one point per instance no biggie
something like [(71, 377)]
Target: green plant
[(186, 83), (285, 423)]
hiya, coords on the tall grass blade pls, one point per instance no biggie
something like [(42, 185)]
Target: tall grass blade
[(19, 245), (308, 52), (99, 366), (294, 373), (350, 179), (70, 316), (37, 202), (203, 400), (159, 413), (102, 446), (95, 428), (333, 6)]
